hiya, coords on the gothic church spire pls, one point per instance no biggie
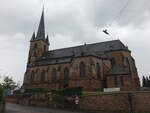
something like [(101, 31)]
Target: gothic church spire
[(41, 29), (33, 36)]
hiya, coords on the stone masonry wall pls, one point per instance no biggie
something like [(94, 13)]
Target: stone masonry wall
[(126, 102), (89, 82), (135, 102)]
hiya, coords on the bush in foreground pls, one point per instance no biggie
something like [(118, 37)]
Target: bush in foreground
[(32, 90), (1, 94), (70, 91)]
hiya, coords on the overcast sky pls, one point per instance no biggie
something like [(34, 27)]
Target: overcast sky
[(70, 23)]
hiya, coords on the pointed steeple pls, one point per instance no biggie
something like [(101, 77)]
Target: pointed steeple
[(47, 39), (33, 36), (41, 29)]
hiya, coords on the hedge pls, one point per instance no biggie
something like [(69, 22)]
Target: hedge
[(71, 91), (32, 90), (1, 95)]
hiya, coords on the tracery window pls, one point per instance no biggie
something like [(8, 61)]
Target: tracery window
[(113, 62), (43, 76), (32, 76), (54, 74), (35, 50), (126, 62), (82, 70), (116, 81), (44, 47), (98, 70), (121, 80), (66, 75)]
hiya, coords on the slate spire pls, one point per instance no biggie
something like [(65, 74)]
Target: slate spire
[(41, 29), (33, 36), (47, 39)]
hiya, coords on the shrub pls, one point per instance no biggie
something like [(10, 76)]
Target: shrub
[(1, 94), (71, 91), (37, 90), (32, 90)]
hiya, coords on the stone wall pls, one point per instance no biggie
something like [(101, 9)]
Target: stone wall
[(2, 106), (90, 82), (125, 102), (136, 102)]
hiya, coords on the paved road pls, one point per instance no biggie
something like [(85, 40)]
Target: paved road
[(13, 108)]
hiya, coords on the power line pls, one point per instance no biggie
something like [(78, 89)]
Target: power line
[(116, 17)]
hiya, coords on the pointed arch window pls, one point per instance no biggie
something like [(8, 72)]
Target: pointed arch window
[(116, 81), (66, 75), (82, 70), (54, 74), (121, 80), (32, 76), (113, 62), (98, 70), (34, 50), (44, 47), (43, 76), (35, 46)]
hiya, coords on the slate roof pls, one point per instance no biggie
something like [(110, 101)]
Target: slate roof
[(96, 49), (66, 54)]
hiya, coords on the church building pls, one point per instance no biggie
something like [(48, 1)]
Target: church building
[(91, 66)]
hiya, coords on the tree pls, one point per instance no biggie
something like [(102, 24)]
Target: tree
[(144, 81), (147, 82), (8, 83)]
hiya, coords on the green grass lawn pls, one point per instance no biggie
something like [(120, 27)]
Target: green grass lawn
[(115, 92)]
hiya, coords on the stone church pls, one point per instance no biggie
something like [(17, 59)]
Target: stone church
[(91, 66)]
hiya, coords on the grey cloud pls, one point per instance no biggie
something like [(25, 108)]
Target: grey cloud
[(73, 22)]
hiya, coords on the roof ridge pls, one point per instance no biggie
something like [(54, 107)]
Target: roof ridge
[(84, 45)]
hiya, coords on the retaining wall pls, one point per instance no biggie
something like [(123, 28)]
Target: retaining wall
[(136, 102)]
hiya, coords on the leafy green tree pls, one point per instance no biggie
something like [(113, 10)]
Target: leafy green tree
[(147, 82), (144, 81), (9, 83)]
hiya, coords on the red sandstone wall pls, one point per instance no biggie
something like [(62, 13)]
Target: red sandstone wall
[(117, 102), (142, 102), (126, 85), (139, 102), (105, 103)]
